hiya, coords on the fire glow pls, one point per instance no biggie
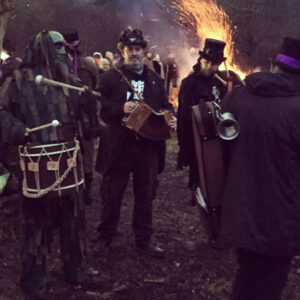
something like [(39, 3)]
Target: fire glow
[(4, 55), (210, 21)]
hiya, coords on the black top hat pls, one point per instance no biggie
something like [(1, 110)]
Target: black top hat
[(213, 51), (289, 55), (70, 35), (132, 37)]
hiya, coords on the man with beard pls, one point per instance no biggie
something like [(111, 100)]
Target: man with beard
[(261, 203), (203, 84), (26, 105), (122, 152)]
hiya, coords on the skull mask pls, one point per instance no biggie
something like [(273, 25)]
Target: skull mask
[(59, 43)]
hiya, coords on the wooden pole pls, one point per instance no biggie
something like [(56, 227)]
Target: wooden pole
[(39, 79)]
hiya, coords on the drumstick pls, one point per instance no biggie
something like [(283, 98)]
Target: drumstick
[(225, 82), (221, 79), (39, 79), (54, 123)]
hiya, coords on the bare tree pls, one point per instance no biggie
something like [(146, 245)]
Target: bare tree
[(6, 8)]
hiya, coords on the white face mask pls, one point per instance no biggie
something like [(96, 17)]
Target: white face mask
[(59, 41)]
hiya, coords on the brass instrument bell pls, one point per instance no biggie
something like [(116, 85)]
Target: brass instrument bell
[(228, 127)]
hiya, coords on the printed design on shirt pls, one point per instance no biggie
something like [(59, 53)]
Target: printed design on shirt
[(216, 93), (138, 86)]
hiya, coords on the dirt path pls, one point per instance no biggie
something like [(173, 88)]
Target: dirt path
[(129, 276)]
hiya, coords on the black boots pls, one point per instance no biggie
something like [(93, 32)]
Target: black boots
[(33, 281), (80, 276), (151, 250)]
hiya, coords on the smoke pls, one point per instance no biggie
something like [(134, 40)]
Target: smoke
[(153, 17), (161, 30)]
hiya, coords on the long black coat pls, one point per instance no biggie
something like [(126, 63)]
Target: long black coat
[(194, 89), (113, 89), (261, 205)]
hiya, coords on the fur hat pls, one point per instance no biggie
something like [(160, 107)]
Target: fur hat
[(132, 37)]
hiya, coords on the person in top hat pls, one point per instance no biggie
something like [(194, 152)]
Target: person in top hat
[(90, 129), (261, 206), (213, 52), (121, 151), (202, 85)]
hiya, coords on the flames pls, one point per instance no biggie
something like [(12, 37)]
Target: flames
[(210, 21)]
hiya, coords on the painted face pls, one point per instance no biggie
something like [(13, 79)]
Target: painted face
[(58, 41), (133, 56), (207, 68), (62, 69)]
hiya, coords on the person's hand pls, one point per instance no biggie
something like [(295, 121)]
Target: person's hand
[(173, 123), (129, 107), (87, 92)]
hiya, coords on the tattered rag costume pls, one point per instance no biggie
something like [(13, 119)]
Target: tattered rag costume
[(88, 73), (26, 103)]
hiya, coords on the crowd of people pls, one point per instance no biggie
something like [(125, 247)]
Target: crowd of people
[(55, 103), (167, 69)]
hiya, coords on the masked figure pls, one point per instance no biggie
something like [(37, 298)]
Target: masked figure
[(46, 208)]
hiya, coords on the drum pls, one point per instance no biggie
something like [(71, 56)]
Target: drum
[(150, 124), (52, 170)]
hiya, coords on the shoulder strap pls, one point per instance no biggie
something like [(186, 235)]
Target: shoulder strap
[(128, 82)]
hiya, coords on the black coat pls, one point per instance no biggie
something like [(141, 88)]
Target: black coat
[(261, 205), (194, 89), (113, 89)]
